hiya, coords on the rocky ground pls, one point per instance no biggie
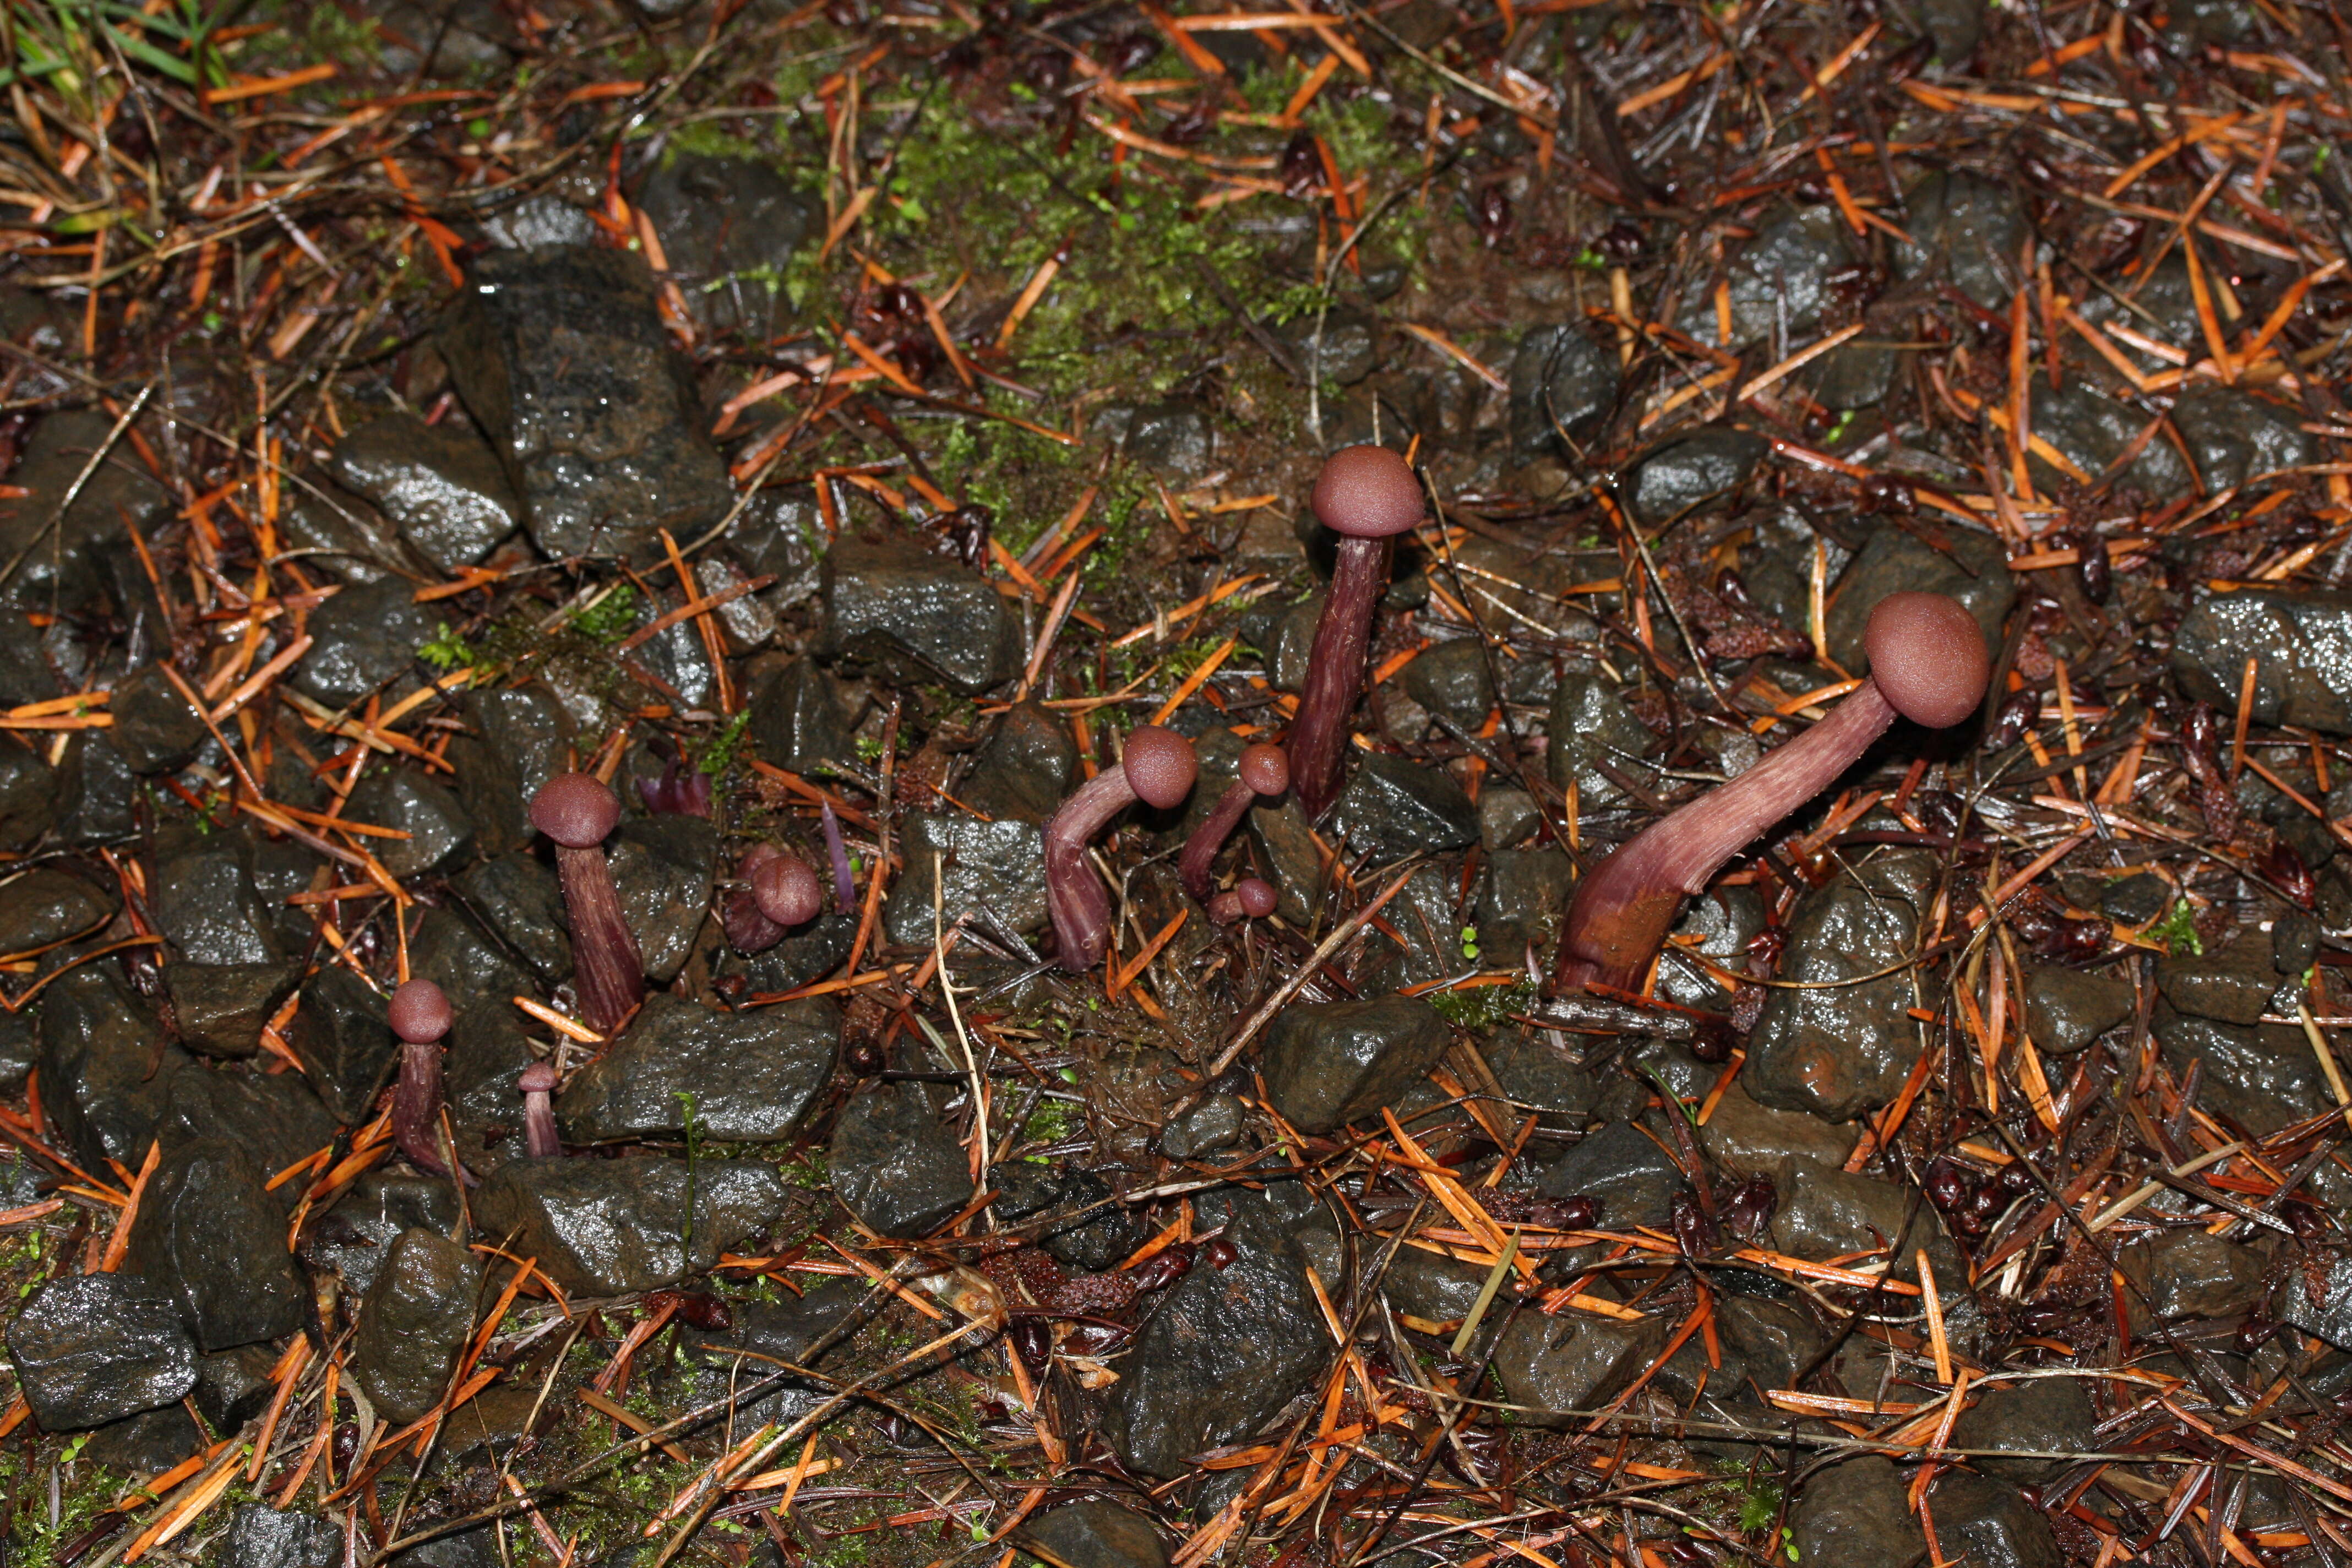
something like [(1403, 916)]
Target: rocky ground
[(838, 425)]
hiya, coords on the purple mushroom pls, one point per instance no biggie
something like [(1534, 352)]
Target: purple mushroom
[(1265, 770), (1158, 767), (578, 811)]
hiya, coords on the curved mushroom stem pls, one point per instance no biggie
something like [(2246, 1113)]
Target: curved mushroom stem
[(747, 931), (1624, 907), (1075, 896), (611, 971), (1334, 671), (1199, 851)]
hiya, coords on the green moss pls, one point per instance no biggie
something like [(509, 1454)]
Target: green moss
[(1482, 1006)]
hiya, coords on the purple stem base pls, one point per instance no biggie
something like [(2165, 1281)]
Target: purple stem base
[(1075, 896), (1317, 743)]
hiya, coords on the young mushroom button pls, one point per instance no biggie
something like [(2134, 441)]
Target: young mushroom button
[(577, 811), (1927, 664), (787, 891), (1157, 768), (537, 1082), (1265, 770), (420, 1015)]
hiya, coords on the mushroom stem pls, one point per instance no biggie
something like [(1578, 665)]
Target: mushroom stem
[(416, 1106), (1334, 671), (1075, 896), (538, 1085), (610, 971), (1201, 850)]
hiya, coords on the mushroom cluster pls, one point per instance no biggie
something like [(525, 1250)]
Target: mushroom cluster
[(1158, 767)]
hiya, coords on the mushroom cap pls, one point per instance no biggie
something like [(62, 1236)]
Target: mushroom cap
[(787, 891), (754, 858), (537, 1079), (420, 1012), (1266, 768), (1256, 897), (577, 810), (1366, 492), (1160, 766), (1928, 656)]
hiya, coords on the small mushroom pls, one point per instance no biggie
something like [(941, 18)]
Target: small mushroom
[(420, 1015), (1251, 898), (537, 1082), (578, 811), (1367, 495), (787, 891), (1927, 664), (1265, 770), (1157, 768), (748, 930)]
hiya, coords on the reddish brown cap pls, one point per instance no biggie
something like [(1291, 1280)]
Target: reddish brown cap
[(537, 1079), (420, 1012), (786, 890), (1366, 492), (1160, 766), (577, 810), (1928, 656), (1266, 768), (1256, 897)]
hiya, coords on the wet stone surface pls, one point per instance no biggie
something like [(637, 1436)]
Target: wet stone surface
[(440, 484), (1992, 1522), (204, 901), (93, 1348), (42, 906), (440, 832), (1026, 768), (1855, 1515), (514, 742), (2263, 1076), (260, 1536), (1689, 472), (662, 868), (210, 1235), (2187, 1273), (2066, 1009), (801, 718), (1624, 1169), (1094, 1534), (1560, 379), (352, 1238), (1095, 1241), (1576, 1361), (1214, 1123), (519, 900), (750, 1076), (998, 866), (98, 1047), (154, 729), (1326, 1065), (345, 1045), (2302, 644), (1591, 728), (413, 1323), (730, 227), (1967, 230), (2233, 984), (363, 639), (1394, 806), (604, 1227), (1966, 565), (2233, 436), (896, 1165), (916, 615), (2051, 1414), (220, 1008)]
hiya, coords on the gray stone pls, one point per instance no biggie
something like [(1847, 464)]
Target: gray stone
[(1971, 567), (896, 1166), (441, 485), (1392, 807), (2092, 431), (1560, 379), (203, 897), (1094, 1241), (515, 740), (1779, 282), (786, 1328), (809, 953), (1689, 472), (20, 1053), (543, 219), (1590, 725), (34, 796), (93, 1348), (488, 1049), (1214, 1123), (118, 491), (439, 831), (1966, 229), (208, 1234), (1857, 373), (1327, 1064), (2066, 1009), (273, 1116), (2135, 900), (1724, 921), (608, 1227), (1093, 1534), (260, 1536), (340, 1036), (475, 1548), (1840, 1050), (352, 1238), (1763, 1345), (2233, 436), (1024, 767), (144, 1444), (1826, 1213), (1957, 26), (341, 535), (2261, 1078), (220, 1008), (1538, 1079), (44, 906), (663, 867), (413, 1323), (1437, 1290), (1856, 1514), (448, 949), (1576, 1362), (752, 1076), (917, 616), (233, 1386), (562, 360), (998, 866), (1506, 817), (1623, 1168), (2302, 644), (1452, 679), (519, 900), (1286, 846), (2234, 983), (103, 1081), (802, 719), (729, 228), (2187, 1274), (1173, 440), (1348, 352), (2050, 1414), (1521, 900), (1992, 1522), (363, 639), (154, 729)]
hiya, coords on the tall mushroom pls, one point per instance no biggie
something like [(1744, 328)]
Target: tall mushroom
[(1366, 495), (578, 811), (1157, 768), (420, 1015), (1264, 770), (1927, 664)]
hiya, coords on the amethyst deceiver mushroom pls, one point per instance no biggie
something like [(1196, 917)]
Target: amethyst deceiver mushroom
[(420, 1015), (578, 811), (787, 891), (537, 1082), (1265, 770), (1158, 767), (748, 930), (1251, 898), (1927, 664), (1366, 495)]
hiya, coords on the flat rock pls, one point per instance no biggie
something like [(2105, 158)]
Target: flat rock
[(273, 1116), (1093, 1534), (146, 1444), (996, 866), (730, 227), (1761, 1344), (1214, 1123), (413, 1323), (1328, 1064), (519, 900), (1688, 472), (93, 1348), (802, 718), (1829, 1214), (608, 1227), (1522, 899), (1024, 767), (36, 797), (2051, 1414), (204, 901), (1560, 379), (1855, 1515), (562, 358), (895, 1164), (1174, 439), (448, 949), (343, 1041), (440, 484), (260, 1536), (1755, 1140), (352, 1238), (753, 1076), (363, 639), (2066, 1009), (515, 740), (345, 537), (1565, 1094), (917, 616), (220, 1008), (1966, 229), (1393, 806), (209, 1235), (1575, 1361), (1970, 567), (1452, 679), (440, 832), (2302, 644), (2092, 431), (663, 867), (154, 729), (45, 906), (1844, 1048), (1780, 281)]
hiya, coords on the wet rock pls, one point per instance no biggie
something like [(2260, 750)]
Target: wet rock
[(810, 953), (1855, 1515), (1288, 640), (802, 718), (363, 639), (1286, 846), (20, 1053), (1724, 921), (1348, 351), (787, 1329), (118, 493), (1689, 472), (1452, 679), (1855, 375), (1027, 1194), (233, 1386), (917, 616), (475, 1548), (747, 621), (154, 729), (221, 1007), (2264, 1077), (1093, 1534), (1506, 817), (93, 1348), (203, 897), (2295, 944), (2202, 22), (1560, 379), (1227, 1349), (1214, 1123), (344, 537), (353, 1238), (730, 227), (209, 1235), (2092, 431), (1024, 768), (1438, 1291), (1761, 1344), (1624, 1169), (344, 1044), (543, 219), (895, 1164), (515, 740), (2302, 644), (2066, 1009), (144, 1444), (2233, 436), (1957, 26), (519, 900), (488, 1049), (1779, 282), (2135, 900), (413, 1323), (663, 867), (2187, 1274), (752, 1076), (1574, 1361), (1522, 899), (1966, 229), (1393, 806), (260, 1536), (45, 905), (1536, 1077), (106, 1078), (448, 949), (440, 484), (441, 39), (1839, 1051), (1173, 440), (273, 1116), (1830, 1213), (2234, 983), (1327, 1064), (608, 1227), (562, 358), (1590, 725), (996, 866), (428, 811), (34, 796), (1971, 567), (1992, 1522), (2051, 1414)]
